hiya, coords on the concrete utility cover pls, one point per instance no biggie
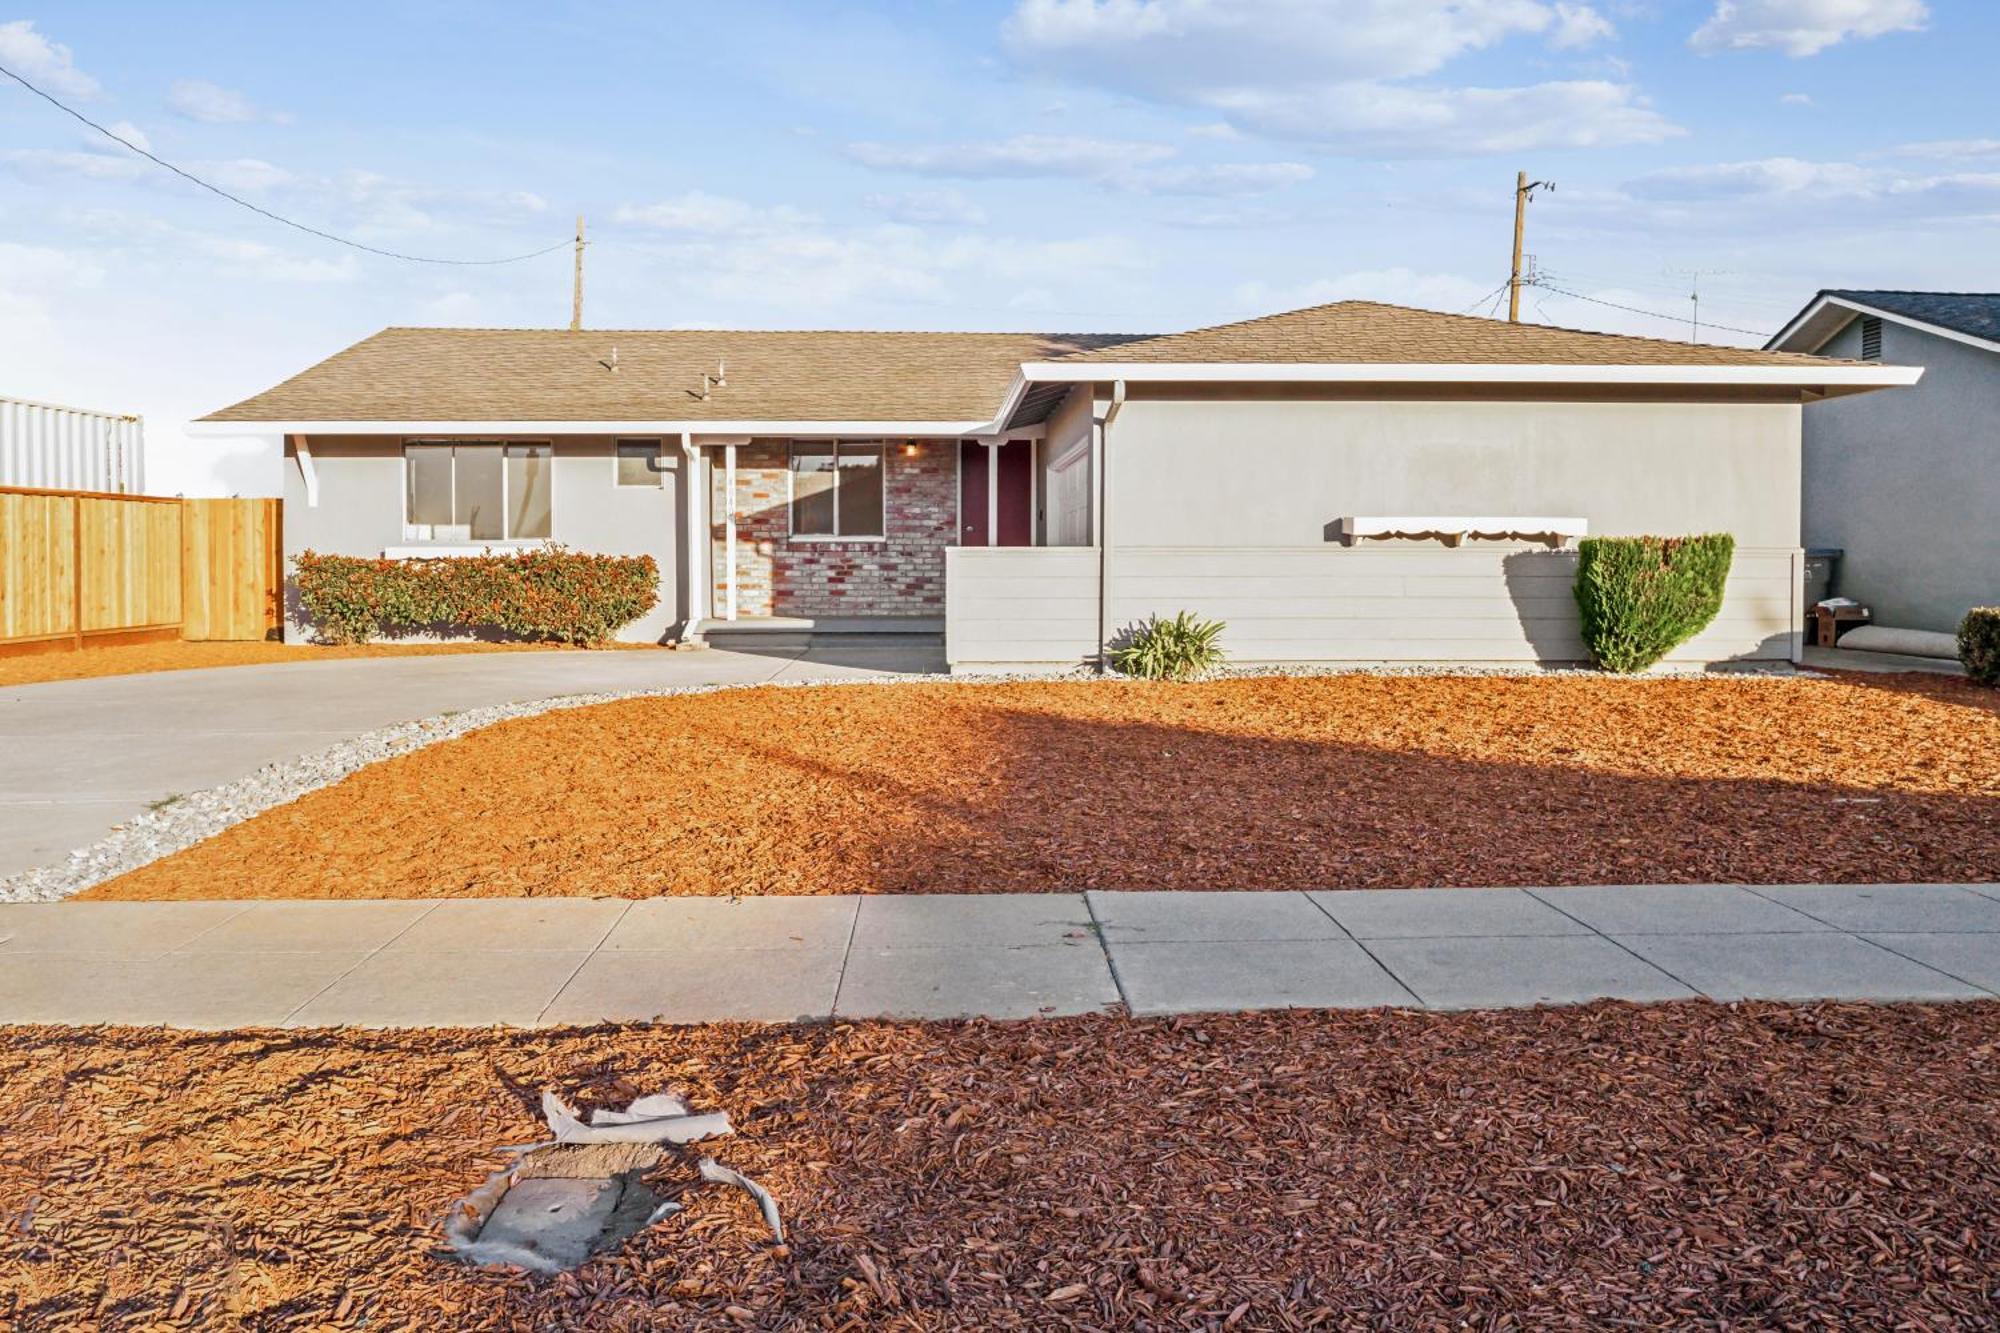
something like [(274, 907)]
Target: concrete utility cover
[(563, 1220)]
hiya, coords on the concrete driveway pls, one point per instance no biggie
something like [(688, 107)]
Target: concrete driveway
[(78, 757)]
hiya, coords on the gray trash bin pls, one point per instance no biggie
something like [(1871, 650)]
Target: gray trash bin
[(1822, 574)]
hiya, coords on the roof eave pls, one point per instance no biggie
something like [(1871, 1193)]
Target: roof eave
[(209, 426), (1812, 327), (1848, 377)]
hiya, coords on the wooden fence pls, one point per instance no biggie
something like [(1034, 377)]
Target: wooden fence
[(81, 568)]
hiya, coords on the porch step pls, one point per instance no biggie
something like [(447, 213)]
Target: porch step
[(802, 632)]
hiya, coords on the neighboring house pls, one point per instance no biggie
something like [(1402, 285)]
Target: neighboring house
[(47, 447), (1352, 482), (1907, 485)]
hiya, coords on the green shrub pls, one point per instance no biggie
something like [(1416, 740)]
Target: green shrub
[(1643, 597), (544, 593), (1979, 644), (1169, 649)]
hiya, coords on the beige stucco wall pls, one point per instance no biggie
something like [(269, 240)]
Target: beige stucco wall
[(360, 510), (1277, 472)]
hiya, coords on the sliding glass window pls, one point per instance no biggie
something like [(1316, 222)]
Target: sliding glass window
[(477, 492)]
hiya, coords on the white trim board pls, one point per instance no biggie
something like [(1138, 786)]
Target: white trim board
[(704, 432), (1266, 372)]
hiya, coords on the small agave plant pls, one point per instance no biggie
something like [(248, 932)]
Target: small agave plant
[(1176, 649)]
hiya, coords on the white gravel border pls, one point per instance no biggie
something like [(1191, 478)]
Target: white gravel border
[(179, 822)]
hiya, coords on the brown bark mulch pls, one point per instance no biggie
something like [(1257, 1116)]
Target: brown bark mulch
[(1680, 1166), (1271, 783)]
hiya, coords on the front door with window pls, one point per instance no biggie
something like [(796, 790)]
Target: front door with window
[(1014, 506)]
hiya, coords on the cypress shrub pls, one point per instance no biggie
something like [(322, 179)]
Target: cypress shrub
[(543, 593), (1643, 597), (1979, 644)]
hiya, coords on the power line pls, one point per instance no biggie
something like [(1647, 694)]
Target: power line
[(1635, 310), (1488, 297), (74, 114)]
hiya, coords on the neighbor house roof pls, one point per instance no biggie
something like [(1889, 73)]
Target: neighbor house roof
[(409, 378), (1964, 316), (1369, 333), (628, 375)]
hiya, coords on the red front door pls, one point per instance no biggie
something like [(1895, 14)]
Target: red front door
[(1016, 501)]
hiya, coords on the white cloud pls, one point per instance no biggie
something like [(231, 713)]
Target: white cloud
[(1764, 177), (42, 61), (1227, 178), (212, 104), (43, 162), (1336, 75), (1403, 121), (1023, 156), (698, 213), (1791, 197), (928, 208), (268, 261), (1121, 165), (1796, 99), (1801, 28), (130, 133), (1579, 25), (1951, 149), (1188, 46)]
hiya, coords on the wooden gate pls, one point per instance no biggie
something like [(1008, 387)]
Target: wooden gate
[(232, 569), (79, 568)]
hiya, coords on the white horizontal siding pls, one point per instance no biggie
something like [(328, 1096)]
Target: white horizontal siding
[(1015, 606)]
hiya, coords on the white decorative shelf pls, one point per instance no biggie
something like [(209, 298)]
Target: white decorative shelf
[(1455, 528)]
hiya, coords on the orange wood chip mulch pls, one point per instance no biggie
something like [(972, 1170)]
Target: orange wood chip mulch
[(137, 658), (1274, 783), (1676, 1166)]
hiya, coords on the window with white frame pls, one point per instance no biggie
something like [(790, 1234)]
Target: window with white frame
[(639, 463), (837, 489), (477, 492)]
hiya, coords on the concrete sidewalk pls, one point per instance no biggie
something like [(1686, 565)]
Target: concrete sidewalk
[(465, 962)]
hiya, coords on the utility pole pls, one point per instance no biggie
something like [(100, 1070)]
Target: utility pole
[(1524, 190), (576, 286)]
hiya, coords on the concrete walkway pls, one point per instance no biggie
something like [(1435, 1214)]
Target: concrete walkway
[(80, 756), (685, 960)]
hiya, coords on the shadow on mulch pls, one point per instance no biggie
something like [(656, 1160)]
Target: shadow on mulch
[(992, 789)]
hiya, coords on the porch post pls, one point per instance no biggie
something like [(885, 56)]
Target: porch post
[(1101, 475), (729, 530), (698, 608), (992, 443)]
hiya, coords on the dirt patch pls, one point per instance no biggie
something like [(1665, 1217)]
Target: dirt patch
[(1676, 1166), (1271, 783), (134, 659)]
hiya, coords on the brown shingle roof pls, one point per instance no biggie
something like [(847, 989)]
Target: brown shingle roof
[(1367, 332), (405, 374)]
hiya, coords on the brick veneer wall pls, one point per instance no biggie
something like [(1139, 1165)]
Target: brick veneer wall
[(902, 575)]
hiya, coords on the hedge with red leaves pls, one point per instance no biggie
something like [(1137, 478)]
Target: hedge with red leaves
[(543, 593)]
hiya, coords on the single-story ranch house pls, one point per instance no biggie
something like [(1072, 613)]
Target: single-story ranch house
[(1351, 482)]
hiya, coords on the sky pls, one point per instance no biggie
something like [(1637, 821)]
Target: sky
[(1050, 165)]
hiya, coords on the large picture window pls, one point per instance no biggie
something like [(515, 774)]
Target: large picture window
[(477, 492), (836, 489)]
